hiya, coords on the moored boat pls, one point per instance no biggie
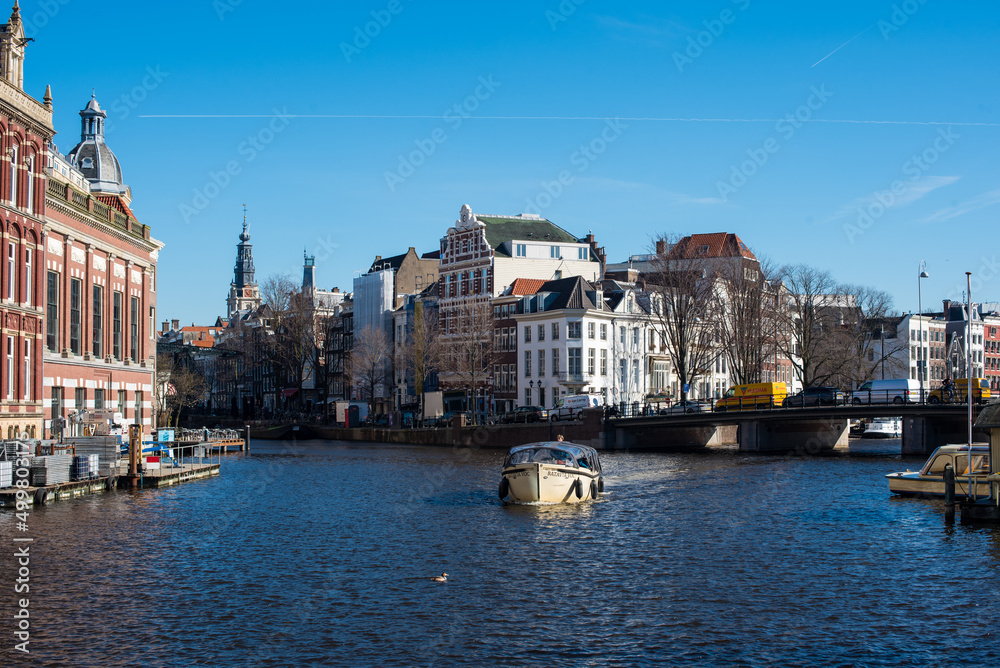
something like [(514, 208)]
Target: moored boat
[(551, 472), (883, 428), (929, 480)]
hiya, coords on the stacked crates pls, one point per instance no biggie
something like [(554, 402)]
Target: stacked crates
[(50, 470), (6, 474), (84, 467)]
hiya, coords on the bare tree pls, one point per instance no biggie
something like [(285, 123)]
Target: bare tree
[(369, 364), (422, 350), (470, 353), (745, 301), (813, 314), (681, 296), (868, 348), (183, 387), (292, 345)]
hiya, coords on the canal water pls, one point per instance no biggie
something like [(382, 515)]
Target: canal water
[(321, 554)]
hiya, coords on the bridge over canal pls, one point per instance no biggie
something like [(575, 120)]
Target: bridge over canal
[(804, 430)]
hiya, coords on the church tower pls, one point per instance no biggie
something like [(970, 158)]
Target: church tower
[(244, 295), (12, 43)]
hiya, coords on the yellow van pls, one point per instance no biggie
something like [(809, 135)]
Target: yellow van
[(752, 397), (980, 392)]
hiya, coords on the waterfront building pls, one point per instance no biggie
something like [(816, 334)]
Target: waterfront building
[(505, 342), (480, 257), (991, 346), (99, 286), (26, 126), (578, 337)]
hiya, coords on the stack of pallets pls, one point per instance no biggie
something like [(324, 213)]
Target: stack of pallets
[(50, 470), (6, 474)]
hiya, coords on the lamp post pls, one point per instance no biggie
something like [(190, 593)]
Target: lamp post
[(921, 273), (881, 336)]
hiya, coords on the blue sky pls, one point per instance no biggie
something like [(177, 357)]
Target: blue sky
[(506, 107)]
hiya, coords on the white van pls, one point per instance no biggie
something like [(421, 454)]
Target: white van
[(888, 391), (572, 407)]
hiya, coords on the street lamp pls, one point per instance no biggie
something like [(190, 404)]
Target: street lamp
[(921, 273)]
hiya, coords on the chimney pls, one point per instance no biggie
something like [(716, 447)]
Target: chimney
[(166, 326), (661, 247), (947, 307), (175, 325)]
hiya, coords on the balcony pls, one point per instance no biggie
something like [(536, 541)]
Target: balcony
[(567, 378)]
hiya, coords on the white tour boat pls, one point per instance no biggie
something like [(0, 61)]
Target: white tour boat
[(929, 480), (551, 472), (883, 428)]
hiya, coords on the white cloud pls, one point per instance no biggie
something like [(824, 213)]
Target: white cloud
[(888, 198), (987, 199)]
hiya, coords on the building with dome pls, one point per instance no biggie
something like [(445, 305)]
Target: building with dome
[(25, 131), (99, 285)]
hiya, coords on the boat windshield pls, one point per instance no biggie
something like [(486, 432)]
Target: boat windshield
[(543, 456)]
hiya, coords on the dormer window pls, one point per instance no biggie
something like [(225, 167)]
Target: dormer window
[(87, 163), (702, 250)]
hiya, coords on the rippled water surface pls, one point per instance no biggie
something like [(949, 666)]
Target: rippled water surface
[(321, 554)]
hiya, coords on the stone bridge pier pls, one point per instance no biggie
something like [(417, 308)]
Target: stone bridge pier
[(922, 434), (805, 435)]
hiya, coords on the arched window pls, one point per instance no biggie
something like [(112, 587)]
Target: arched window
[(29, 202), (13, 175)]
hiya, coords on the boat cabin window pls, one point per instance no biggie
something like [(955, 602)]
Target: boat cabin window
[(542, 456), (937, 466), (980, 464)]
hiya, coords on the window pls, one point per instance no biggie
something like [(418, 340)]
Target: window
[(541, 363), (527, 363), (635, 336), (52, 312), (623, 372), (11, 367), (555, 331), (97, 316), (80, 398), (527, 396), (591, 362), (134, 326), (590, 330), (99, 399), (57, 409), (30, 178), (27, 370), (541, 397), (520, 250), (11, 271), (582, 254), (138, 407), (604, 332), (574, 330), (123, 403), (554, 252), (621, 335), (116, 325), (527, 333), (635, 371), (574, 361), (604, 362), (75, 288), (555, 361), (13, 175), (29, 299)]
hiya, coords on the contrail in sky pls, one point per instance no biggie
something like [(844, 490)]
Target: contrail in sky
[(578, 118), (843, 45)]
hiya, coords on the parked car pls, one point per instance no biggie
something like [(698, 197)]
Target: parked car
[(688, 406), (526, 414), (816, 396), (888, 391)]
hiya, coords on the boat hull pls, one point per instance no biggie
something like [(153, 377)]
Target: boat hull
[(549, 483), (917, 484)]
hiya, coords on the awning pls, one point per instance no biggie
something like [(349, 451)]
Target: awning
[(289, 392)]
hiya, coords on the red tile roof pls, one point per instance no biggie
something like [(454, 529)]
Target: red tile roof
[(526, 286), (717, 244), (116, 203)]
